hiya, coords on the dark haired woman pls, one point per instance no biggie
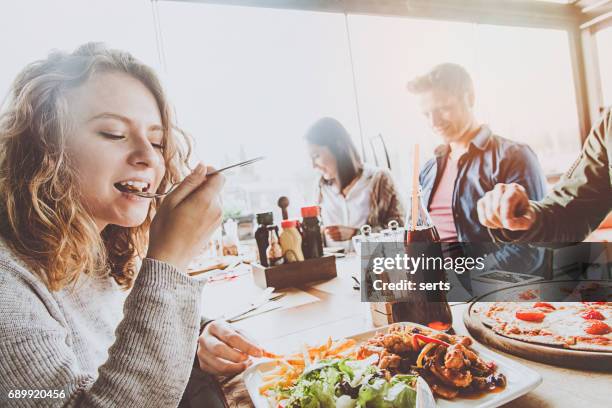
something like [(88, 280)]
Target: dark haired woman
[(350, 192)]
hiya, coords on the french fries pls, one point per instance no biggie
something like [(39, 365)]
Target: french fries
[(287, 369), (267, 354)]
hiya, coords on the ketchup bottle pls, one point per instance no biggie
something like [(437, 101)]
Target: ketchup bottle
[(312, 244)]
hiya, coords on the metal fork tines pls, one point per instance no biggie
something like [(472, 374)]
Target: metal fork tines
[(155, 195), (158, 195), (241, 164)]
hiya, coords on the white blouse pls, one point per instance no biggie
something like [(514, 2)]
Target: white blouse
[(352, 210)]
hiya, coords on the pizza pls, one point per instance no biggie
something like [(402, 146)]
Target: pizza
[(575, 325)]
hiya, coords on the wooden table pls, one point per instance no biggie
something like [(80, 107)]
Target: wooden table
[(341, 314)]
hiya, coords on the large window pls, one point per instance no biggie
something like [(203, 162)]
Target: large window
[(256, 78), (604, 45), (249, 81), (29, 29)]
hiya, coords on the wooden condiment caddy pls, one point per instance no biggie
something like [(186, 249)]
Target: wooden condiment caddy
[(295, 273)]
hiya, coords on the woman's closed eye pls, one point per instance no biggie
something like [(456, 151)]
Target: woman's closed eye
[(114, 136), (119, 136)]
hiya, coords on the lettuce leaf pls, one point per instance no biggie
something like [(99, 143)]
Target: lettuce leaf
[(323, 383), (380, 393)]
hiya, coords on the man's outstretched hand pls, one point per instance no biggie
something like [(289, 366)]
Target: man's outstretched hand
[(506, 206)]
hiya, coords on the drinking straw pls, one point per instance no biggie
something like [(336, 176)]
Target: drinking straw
[(415, 188)]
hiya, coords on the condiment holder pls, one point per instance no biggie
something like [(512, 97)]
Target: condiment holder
[(295, 273), (293, 257)]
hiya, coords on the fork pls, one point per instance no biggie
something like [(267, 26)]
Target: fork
[(158, 195)]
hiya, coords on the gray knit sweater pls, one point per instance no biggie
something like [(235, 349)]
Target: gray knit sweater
[(98, 344)]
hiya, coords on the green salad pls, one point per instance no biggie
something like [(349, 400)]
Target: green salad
[(347, 383)]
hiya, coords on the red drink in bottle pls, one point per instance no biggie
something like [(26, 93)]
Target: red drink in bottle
[(421, 239)]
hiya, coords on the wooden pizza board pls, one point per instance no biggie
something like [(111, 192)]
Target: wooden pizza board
[(558, 356)]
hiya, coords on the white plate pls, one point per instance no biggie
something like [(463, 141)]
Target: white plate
[(520, 379)]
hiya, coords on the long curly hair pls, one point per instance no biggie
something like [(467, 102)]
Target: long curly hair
[(42, 215)]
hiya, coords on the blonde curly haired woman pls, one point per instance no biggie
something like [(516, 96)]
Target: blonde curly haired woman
[(75, 130)]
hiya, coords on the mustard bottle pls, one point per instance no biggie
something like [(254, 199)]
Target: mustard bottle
[(291, 241)]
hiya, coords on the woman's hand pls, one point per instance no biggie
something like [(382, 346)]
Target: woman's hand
[(340, 232), (187, 217), (222, 350), (506, 206)]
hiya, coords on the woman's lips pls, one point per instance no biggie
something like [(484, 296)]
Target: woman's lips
[(134, 198)]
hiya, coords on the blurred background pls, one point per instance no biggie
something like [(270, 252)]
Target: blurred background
[(248, 77)]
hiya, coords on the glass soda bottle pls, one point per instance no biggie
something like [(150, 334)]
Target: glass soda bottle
[(421, 239)]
